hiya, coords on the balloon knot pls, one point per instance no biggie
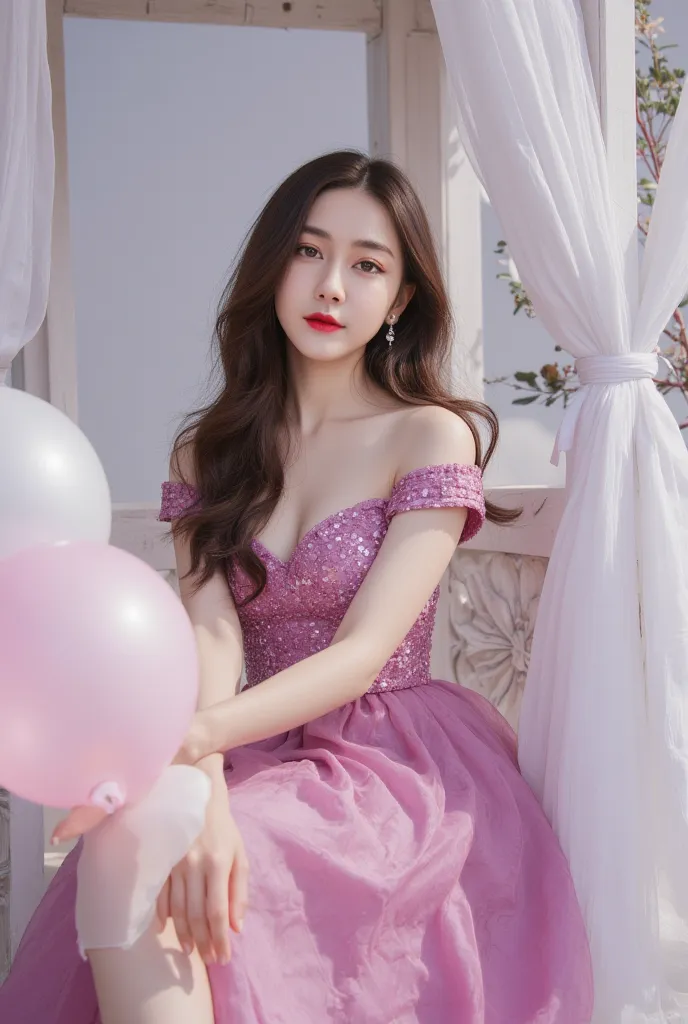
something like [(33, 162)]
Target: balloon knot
[(108, 796)]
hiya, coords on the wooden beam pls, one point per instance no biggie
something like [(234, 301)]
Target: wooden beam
[(345, 15)]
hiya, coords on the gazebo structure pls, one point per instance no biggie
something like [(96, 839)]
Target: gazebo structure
[(413, 119)]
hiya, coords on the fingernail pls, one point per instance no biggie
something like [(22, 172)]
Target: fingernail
[(188, 948), (241, 924)]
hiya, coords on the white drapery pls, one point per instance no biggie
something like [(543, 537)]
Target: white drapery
[(27, 174), (604, 724)]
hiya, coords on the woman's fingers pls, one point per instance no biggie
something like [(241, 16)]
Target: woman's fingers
[(217, 906), (196, 908), (238, 890), (162, 910), (79, 821), (178, 910)]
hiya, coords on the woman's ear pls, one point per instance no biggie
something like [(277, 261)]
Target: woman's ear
[(406, 293)]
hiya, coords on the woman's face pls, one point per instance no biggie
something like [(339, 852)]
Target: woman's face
[(348, 267)]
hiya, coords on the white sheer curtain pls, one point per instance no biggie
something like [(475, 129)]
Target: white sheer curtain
[(27, 173), (604, 724)]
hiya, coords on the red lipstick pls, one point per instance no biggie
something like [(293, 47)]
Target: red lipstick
[(322, 322)]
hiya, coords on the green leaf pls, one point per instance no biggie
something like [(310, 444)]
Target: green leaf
[(526, 378), (525, 401)]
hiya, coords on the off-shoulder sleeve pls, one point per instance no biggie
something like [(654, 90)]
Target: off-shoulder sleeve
[(451, 485), (176, 499)]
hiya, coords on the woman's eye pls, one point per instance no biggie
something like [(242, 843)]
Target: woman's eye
[(370, 267), (307, 250)]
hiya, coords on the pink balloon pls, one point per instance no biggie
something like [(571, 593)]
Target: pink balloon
[(98, 674)]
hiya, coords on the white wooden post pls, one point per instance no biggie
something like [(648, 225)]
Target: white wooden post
[(610, 33), (462, 196), (60, 325), (412, 121)]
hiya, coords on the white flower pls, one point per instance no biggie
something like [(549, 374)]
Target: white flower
[(493, 600)]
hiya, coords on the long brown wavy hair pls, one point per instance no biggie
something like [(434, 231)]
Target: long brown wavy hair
[(232, 443)]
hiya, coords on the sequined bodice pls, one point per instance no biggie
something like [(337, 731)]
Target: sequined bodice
[(306, 597)]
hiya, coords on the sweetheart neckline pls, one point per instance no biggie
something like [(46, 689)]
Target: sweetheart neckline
[(322, 522), (285, 563), (360, 504)]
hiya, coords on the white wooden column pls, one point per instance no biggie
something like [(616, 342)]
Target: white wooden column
[(404, 89), (60, 326), (610, 33), (412, 121)]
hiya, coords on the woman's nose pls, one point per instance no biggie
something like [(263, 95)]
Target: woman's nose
[(330, 286)]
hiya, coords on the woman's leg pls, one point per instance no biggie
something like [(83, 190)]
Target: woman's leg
[(154, 982)]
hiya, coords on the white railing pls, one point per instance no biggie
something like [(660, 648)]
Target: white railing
[(136, 529)]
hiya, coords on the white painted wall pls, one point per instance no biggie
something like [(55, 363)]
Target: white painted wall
[(177, 134)]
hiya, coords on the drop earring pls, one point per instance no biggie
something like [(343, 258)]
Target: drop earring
[(390, 333)]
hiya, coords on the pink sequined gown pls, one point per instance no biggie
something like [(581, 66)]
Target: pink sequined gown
[(402, 871)]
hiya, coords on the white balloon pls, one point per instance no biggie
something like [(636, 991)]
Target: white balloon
[(53, 486)]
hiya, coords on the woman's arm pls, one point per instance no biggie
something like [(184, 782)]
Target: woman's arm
[(217, 629), (415, 553), (207, 890)]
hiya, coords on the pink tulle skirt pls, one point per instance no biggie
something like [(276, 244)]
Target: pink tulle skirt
[(402, 872)]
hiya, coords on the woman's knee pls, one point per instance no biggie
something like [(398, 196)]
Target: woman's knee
[(154, 982)]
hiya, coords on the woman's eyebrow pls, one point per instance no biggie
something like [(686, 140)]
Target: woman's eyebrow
[(359, 243)]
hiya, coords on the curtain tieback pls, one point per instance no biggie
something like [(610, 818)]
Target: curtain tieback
[(607, 369)]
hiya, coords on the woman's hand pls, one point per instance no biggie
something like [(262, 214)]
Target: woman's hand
[(79, 821), (207, 891)]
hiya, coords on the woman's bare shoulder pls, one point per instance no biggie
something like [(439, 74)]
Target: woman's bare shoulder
[(183, 464), (430, 435)]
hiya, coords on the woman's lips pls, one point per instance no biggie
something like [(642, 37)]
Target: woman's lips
[(323, 325)]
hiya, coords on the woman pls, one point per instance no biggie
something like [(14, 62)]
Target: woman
[(401, 870)]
